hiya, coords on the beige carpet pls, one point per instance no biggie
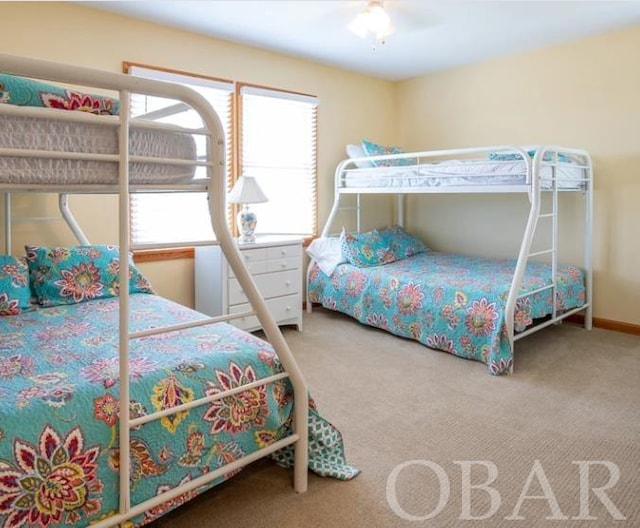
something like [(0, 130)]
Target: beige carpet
[(574, 396)]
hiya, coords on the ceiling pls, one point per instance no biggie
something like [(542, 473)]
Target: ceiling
[(430, 35)]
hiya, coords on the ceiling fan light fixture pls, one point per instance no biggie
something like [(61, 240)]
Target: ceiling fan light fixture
[(372, 24)]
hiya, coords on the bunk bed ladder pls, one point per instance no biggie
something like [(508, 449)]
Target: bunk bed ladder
[(553, 250), (525, 254), (553, 215)]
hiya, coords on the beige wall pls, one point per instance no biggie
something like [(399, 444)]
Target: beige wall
[(583, 94), (351, 105)]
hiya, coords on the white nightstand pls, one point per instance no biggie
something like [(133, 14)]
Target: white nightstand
[(275, 263)]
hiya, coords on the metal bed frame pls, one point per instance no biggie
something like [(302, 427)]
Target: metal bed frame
[(215, 186), (545, 156)]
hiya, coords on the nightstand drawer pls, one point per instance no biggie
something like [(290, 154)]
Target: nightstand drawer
[(255, 259), (281, 308), (269, 284), (250, 255), (279, 252), (254, 266), (282, 264)]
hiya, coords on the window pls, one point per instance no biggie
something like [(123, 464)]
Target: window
[(160, 218), (278, 148), (277, 145)]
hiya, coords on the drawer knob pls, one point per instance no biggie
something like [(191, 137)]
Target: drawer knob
[(287, 283), (283, 265), (288, 309)]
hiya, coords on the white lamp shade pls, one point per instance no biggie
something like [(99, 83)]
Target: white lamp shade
[(246, 191)]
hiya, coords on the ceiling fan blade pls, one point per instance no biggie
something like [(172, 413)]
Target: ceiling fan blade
[(411, 16)]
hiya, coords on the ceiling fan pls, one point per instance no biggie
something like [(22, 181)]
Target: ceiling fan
[(377, 19), (372, 23)]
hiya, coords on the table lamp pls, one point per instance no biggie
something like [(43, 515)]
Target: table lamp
[(246, 191)]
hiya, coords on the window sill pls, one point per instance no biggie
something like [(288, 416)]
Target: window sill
[(156, 255)]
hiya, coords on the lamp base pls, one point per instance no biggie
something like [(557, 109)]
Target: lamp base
[(247, 221), (246, 239)]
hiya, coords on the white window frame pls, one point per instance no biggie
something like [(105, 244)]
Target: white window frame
[(160, 209), (232, 119), (294, 200)]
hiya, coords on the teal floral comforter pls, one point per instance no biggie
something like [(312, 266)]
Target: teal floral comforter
[(449, 302), (59, 407)]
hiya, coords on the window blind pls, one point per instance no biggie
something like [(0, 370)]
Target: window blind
[(278, 138), (158, 218)]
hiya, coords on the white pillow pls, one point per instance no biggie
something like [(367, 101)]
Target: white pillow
[(327, 253), (356, 151)]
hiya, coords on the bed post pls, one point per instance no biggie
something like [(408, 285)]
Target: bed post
[(307, 300), (588, 245), (7, 222), (123, 228), (400, 210)]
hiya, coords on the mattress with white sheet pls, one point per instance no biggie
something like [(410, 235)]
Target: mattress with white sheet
[(463, 173), (92, 135)]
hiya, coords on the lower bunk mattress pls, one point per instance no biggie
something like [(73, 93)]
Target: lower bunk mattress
[(59, 453), (446, 301)]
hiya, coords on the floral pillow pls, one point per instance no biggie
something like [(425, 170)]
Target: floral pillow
[(69, 275), (373, 149), (376, 248), (402, 244), (22, 91), (15, 294), (365, 249)]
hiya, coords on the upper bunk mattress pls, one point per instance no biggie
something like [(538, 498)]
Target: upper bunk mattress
[(464, 173), (90, 135)]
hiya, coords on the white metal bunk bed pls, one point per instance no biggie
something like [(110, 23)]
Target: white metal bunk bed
[(214, 185), (533, 171)]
